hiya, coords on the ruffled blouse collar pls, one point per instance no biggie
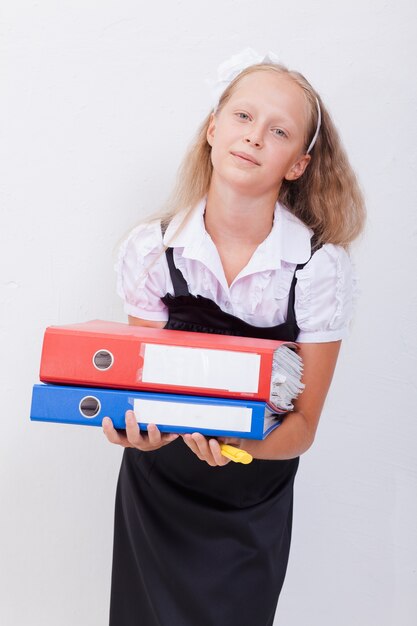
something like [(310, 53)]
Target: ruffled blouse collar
[(288, 241)]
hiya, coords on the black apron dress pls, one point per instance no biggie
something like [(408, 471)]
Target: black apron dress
[(196, 545)]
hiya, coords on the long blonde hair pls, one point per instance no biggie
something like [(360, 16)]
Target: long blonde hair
[(327, 197)]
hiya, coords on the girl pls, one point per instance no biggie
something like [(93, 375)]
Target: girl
[(254, 245)]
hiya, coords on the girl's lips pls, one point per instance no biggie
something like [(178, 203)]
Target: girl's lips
[(245, 157)]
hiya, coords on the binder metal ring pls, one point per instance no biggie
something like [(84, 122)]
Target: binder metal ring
[(103, 360), (89, 406)]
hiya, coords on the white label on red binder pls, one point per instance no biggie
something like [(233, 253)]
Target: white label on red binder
[(185, 414), (200, 367)]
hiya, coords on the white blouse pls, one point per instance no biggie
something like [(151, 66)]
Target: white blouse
[(324, 293)]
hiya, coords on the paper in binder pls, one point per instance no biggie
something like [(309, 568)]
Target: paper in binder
[(175, 413), (117, 355)]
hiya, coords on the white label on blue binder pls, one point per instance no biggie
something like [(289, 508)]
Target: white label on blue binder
[(200, 367), (216, 417)]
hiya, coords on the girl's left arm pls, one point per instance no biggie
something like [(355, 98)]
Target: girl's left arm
[(296, 433)]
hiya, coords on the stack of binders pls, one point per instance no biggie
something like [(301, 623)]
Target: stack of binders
[(217, 385)]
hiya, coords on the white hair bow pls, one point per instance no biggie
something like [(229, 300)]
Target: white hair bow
[(229, 69)]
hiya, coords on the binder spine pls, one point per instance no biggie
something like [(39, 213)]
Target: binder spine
[(87, 406), (129, 362)]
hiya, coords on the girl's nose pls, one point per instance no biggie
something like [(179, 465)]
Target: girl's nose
[(254, 140)]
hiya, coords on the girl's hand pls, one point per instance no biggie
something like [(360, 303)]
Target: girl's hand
[(208, 450), (152, 440)]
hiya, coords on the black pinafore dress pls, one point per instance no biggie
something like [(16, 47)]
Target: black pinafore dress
[(196, 545)]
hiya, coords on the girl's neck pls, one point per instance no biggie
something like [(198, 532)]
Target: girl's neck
[(239, 219)]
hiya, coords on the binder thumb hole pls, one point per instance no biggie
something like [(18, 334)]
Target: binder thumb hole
[(103, 360), (89, 406)]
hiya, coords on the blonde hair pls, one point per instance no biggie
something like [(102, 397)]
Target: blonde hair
[(327, 197)]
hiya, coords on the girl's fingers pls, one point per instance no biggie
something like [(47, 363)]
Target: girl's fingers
[(154, 435), (112, 435), (203, 447), (152, 440), (217, 453), (170, 437), (132, 429), (192, 444), (207, 450)]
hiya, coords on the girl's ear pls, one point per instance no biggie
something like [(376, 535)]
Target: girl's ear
[(210, 129), (298, 168)]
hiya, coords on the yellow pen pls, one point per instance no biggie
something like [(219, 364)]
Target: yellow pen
[(235, 454)]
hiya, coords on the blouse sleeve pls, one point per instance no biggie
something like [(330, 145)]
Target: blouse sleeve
[(142, 273), (325, 294)]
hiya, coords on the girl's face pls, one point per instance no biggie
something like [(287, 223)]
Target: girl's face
[(258, 137)]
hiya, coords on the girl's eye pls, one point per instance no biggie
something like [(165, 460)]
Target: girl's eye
[(279, 132), (242, 116)]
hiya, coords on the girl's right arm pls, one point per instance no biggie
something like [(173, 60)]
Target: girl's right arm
[(153, 439)]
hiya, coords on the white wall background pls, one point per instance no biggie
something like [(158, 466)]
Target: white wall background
[(99, 100)]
